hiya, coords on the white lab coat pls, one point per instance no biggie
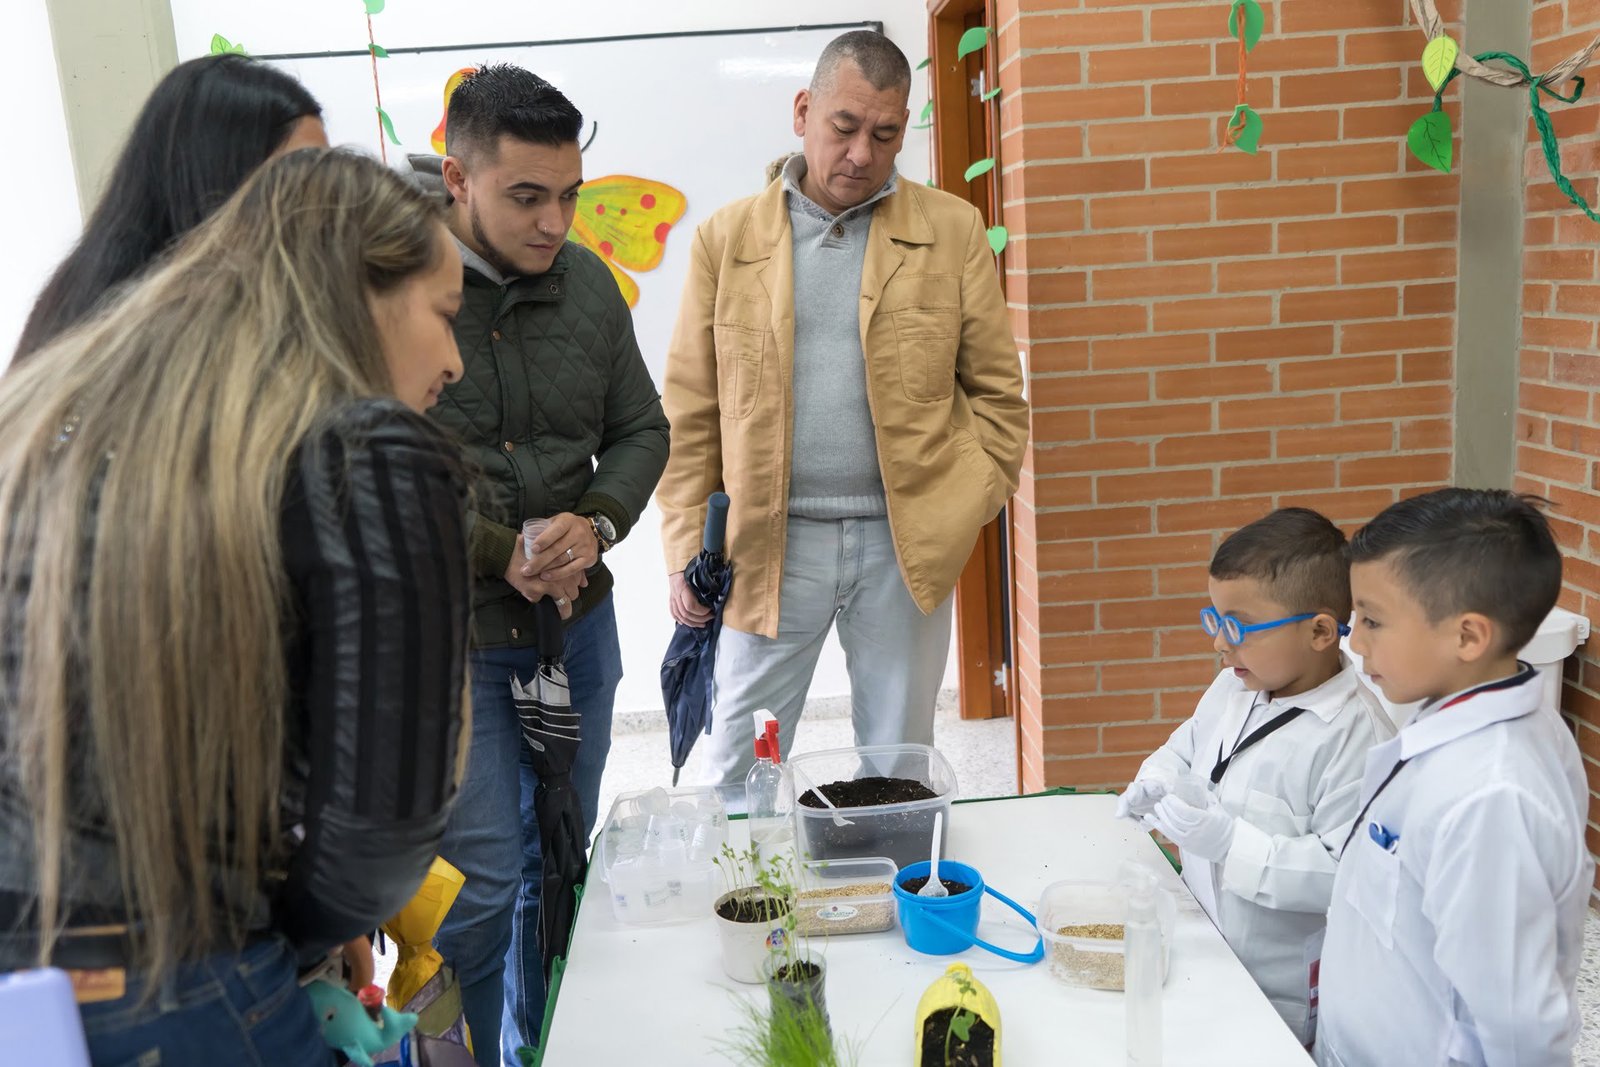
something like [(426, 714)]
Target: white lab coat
[(1294, 794), (1460, 943)]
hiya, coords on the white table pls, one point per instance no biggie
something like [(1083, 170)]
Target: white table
[(656, 994)]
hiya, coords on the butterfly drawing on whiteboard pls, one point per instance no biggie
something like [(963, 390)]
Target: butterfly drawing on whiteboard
[(623, 219)]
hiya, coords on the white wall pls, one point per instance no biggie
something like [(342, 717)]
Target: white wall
[(37, 186), (301, 26)]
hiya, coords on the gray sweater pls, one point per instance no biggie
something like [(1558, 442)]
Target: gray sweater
[(834, 466)]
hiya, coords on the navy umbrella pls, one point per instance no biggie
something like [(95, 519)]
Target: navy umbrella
[(687, 668), (550, 730)]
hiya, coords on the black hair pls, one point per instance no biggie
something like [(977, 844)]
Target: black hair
[(1297, 555), (879, 59), (1488, 551), (501, 100), (205, 128)]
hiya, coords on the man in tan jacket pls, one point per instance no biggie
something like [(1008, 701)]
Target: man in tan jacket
[(843, 367)]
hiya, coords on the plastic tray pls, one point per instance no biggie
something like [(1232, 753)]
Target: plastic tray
[(834, 897), (1095, 962), (902, 832), (681, 887)]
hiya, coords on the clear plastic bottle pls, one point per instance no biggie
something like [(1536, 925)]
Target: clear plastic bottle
[(764, 793), (1142, 974)]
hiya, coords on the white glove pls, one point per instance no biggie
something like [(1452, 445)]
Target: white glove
[(1203, 832), (1140, 796)]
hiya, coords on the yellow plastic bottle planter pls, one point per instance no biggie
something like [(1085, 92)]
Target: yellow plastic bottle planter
[(967, 1001)]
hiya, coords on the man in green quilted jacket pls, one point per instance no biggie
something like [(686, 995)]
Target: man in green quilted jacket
[(560, 415)]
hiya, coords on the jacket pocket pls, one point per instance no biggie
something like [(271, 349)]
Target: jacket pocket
[(1373, 887), (740, 355), (927, 338)]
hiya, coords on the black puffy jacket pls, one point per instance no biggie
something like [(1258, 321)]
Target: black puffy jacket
[(374, 545)]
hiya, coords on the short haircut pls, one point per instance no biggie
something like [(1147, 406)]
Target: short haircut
[(1300, 558), (879, 59), (1488, 551), (500, 100)]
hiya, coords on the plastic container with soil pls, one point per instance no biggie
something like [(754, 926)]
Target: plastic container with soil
[(885, 797), (1082, 926), (834, 897)]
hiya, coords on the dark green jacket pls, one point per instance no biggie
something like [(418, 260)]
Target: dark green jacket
[(553, 380)]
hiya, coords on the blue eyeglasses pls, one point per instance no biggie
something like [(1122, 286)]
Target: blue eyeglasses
[(1234, 632)]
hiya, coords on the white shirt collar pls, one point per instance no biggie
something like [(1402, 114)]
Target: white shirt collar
[(1327, 699), (1480, 706)]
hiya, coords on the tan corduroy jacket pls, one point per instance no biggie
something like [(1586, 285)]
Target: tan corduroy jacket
[(944, 385)]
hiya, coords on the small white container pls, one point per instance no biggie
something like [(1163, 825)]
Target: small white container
[(1095, 962), (746, 947), (657, 853)]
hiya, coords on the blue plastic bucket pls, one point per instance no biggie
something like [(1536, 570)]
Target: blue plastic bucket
[(943, 926)]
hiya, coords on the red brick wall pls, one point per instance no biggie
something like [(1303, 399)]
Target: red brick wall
[(1558, 409), (1209, 334)]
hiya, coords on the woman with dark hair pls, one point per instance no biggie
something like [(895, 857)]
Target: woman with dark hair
[(207, 126)]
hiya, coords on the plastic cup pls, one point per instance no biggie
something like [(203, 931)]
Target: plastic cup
[(1193, 790), (530, 533)]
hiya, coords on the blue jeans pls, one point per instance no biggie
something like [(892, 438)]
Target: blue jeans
[(491, 936), (244, 1011)]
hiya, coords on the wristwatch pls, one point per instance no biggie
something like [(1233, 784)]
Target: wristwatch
[(604, 532)]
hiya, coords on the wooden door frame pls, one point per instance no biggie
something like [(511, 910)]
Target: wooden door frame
[(964, 129)]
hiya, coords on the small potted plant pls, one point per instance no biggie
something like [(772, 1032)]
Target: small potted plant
[(958, 1022), (796, 980), (750, 916)]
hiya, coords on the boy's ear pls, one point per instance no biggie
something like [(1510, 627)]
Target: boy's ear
[(1476, 636), (1324, 632)]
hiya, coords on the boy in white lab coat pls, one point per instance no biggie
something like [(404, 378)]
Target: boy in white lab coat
[(1258, 788), (1456, 928)]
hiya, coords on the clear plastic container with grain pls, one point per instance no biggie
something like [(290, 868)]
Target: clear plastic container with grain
[(853, 896), (1082, 926)]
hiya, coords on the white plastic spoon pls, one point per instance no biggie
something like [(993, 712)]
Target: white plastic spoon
[(935, 888)]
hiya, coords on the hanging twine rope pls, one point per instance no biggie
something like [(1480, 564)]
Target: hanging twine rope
[(1427, 16), (1236, 124), (377, 93)]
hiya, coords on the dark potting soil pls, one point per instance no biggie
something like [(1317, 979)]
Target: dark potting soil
[(868, 793), (911, 885), (903, 836), (744, 909), (976, 1051), (797, 972)]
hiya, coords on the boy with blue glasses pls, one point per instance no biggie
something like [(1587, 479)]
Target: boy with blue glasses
[(1456, 928), (1259, 787)]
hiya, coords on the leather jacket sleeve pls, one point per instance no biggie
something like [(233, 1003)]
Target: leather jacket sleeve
[(374, 533)]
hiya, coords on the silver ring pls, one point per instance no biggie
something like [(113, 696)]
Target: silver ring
[(561, 601), (570, 556)]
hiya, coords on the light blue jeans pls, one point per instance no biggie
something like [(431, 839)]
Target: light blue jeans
[(842, 572), (491, 936)]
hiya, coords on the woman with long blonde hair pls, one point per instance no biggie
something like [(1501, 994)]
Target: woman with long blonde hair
[(233, 614)]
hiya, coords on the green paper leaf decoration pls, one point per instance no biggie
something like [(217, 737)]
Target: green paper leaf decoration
[(991, 94), (998, 236), (1255, 20), (1439, 59), (930, 185), (220, 45), (379, 51), (375, 7), (972, 41), (980, 168), (1430, 140), (1248, 138), (922, 125), (388, 126), (927, 110), (925, 62)]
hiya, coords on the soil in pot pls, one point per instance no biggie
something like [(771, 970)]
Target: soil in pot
[(951, 886), (797, 972), (868, 793), (750, 908), (903, 836), (976, 1051)]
